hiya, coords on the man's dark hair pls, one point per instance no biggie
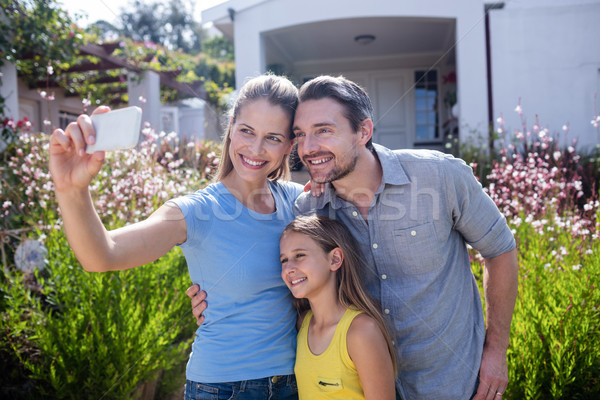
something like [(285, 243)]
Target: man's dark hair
[(354, 99)]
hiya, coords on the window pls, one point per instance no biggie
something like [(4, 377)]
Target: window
[(65, 118), (426, 106)]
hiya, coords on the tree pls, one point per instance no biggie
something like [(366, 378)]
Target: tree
[(171, 25), (218, 47)]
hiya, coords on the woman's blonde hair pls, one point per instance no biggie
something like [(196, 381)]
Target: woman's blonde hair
[(330, 234), (278, 91)]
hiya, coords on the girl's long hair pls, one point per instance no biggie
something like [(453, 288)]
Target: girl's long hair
[(330, 234), (278, 91)]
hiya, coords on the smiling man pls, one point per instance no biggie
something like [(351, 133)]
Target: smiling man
[(414, 212)]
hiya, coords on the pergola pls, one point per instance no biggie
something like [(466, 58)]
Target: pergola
[(110, 62), (142, 85)]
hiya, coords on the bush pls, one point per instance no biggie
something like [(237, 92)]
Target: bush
[(87, 335), (553, 352), (549, 198), (67, 333)]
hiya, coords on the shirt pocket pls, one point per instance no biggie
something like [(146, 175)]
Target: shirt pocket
[(418, 249), (329, 384)]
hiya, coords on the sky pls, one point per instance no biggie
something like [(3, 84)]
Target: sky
[(109, 9)]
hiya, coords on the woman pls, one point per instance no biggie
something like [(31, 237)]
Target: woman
[(228, 232)]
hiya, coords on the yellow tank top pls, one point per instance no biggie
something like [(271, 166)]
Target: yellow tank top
[(331, 374)]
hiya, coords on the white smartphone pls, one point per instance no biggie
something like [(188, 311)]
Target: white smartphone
[(116, 130)]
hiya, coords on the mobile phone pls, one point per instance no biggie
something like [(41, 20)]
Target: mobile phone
[(116, 130)]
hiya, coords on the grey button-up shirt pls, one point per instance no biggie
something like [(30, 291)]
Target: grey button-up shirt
[(427, 208)]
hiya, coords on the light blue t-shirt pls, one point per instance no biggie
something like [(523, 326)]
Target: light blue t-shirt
[(233, 254)]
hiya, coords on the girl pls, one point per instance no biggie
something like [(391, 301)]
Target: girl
[(344, 350), (228, 233)]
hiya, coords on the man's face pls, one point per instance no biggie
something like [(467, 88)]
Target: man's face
[(327, 145)]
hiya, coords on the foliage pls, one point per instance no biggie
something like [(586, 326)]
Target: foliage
[(164, 37), (92, 334), (536, 178), (553, 351), (43, 42), (219, 48), (171, 24), (67, 333), (550, 200), (34, 34)]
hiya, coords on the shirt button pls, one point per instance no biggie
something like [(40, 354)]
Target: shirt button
[(384, 276), (387, 311), (354, 213), (274, 379), (375, 245), (393, 343), (413, 233)]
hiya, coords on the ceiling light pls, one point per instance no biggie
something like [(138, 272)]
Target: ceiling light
[(364, 39)]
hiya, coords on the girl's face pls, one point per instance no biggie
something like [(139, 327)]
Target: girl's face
[(306, 268), (260, 138)]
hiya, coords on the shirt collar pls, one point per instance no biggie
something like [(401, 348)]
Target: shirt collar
[(393, 171), (393, 174)]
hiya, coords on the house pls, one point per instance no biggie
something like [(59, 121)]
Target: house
[(433, 68)]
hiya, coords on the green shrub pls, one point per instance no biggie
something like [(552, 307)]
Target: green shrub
[(97, 335), (67, 333), (554, 352)]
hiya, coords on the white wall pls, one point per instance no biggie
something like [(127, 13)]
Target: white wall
[(8, 90), (38, 110), (549, 56)]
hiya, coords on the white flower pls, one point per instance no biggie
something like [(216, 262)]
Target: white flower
[(30, 255), (576, 267)]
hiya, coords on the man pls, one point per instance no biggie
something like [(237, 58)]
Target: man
[(413, 213)]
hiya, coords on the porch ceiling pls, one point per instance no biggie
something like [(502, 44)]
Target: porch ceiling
[(334, 39)]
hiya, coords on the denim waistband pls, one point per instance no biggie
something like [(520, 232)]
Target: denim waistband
[(277, 380)]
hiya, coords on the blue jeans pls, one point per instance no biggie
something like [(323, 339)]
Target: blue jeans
[(281, 387)]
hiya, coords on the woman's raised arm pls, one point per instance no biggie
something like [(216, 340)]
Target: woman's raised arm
[(97, 249)]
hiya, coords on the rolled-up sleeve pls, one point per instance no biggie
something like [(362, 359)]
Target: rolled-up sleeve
[(473, 212)]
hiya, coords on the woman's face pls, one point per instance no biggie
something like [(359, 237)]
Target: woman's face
[(260, 138)]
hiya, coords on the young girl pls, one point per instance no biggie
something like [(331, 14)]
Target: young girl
[(344, 350), (229, 234)]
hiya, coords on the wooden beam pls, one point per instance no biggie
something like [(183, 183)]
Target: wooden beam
[(44, 84), (109, 47), (86, 66), (109, 79), (99, 51)]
